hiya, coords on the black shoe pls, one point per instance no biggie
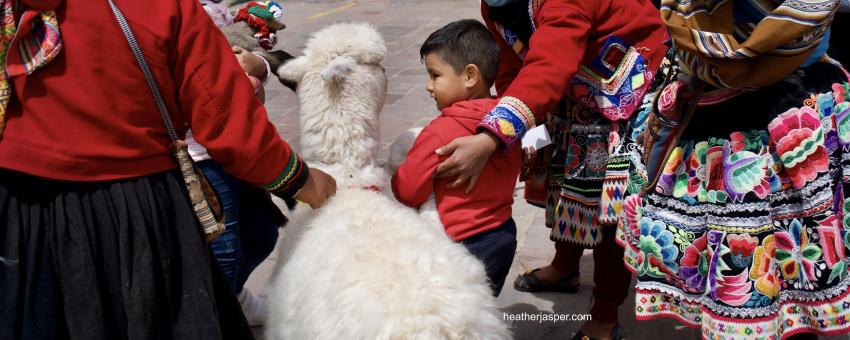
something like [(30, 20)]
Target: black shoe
[(528, 282), (615, 335)]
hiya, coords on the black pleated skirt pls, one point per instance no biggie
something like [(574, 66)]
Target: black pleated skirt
[(108, 260)]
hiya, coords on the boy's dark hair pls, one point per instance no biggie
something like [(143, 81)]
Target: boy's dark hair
[(465, 42)]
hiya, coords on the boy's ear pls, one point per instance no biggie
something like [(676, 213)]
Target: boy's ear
[(471, 75)]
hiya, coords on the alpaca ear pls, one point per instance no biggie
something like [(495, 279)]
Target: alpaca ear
[(338, 68), (293, 70)]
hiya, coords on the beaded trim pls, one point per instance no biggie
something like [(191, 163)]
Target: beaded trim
[(706, 207), (520, 107), (697, 222)]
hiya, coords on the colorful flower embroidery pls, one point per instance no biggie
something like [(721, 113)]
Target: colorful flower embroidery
[(668, 176), (799, 141), (574, 157), (838, 92), (656, 242), (794, 250), (742, 247), (830, 240), (842, 123), (762, 270), (694, 265), (735, 290), (745, 172)]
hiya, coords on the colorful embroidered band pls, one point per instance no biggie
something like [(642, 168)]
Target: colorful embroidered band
[(520, 107), (291, 179), (509, 120), (24, 48)]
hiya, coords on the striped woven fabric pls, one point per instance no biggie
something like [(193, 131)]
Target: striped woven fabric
[(26, 47), (746, 44)]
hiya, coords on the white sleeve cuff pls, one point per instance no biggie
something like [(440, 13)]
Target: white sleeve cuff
[(268, 70)]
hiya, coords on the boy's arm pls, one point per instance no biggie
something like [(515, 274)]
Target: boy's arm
[(414, 180)]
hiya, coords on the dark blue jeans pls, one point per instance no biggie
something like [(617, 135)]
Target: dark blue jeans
[(249, 235), (496, 249)]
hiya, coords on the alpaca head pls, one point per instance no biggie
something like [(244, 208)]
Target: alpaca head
[(341, 89)]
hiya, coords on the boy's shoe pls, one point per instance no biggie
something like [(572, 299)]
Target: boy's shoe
[(253, 306), (528, 282)]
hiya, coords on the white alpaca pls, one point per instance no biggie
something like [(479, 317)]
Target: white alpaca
[(364, 266)]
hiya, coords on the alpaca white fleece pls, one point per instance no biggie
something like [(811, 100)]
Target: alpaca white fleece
[(364, 266), (339, 102)]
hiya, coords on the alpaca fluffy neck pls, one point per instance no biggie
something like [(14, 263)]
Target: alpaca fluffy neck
[(342, 133)]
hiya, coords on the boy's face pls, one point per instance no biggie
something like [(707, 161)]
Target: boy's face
[(444, 84)]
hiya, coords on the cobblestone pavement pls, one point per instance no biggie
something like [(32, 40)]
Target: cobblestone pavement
[(405, 24)]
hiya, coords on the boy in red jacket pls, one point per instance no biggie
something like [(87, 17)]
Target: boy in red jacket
[(462, 59)]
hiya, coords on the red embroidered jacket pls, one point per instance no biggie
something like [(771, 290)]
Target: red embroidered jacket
[(89, 116), (569, 33)]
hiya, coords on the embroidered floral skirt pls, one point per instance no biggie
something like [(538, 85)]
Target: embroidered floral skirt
[(747, 233)]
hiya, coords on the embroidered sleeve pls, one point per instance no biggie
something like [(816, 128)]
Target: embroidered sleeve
[(557, 48), (509, 120), (291, 179)]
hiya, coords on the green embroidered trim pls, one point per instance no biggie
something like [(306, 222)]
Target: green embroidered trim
[(286, 174)]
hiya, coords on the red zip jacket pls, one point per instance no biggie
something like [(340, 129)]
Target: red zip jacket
[(88, 115), (463, 215)]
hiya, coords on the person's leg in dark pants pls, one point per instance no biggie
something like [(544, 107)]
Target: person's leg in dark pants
[(496, 249), (567, 257), (611, 279), (258, 236), (227, 248), (235, 255), (611, 282)]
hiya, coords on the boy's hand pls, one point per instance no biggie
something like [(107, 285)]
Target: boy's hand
[(469, 154), (250, 62), (319, 187)]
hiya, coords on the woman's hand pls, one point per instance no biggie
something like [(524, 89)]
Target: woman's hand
[(250, 62), (319, 187), (468, 156)]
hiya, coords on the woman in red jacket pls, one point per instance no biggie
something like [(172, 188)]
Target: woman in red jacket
[(581, 68), (98, 238)]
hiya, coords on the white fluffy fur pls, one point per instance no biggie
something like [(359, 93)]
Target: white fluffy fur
[(341, 88), (364, 266)]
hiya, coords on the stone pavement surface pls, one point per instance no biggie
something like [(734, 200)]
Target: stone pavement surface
[(404, 25)]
